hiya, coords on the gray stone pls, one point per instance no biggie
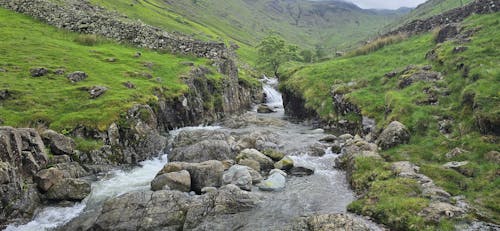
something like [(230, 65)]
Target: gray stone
[(265, 162), (493, 156), (329, 139), (284, 164), (77, 76), (238, 175), (180, 181), (317, 149), (395, 134), (436, 211), (58, 143), (455, 153), (97, 91), (203, 151), (46, 178), (39, 71), (208, 190), (250, 163), (327, 222), (69, 189), (275, 182)]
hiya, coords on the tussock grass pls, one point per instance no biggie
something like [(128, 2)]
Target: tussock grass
[(378, 44)]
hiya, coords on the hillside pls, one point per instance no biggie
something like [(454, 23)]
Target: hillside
[(329, 24), (445, 93)]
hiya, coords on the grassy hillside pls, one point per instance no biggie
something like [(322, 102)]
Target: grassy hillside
[(55, 102), (331, 24), (428, 9), (468, 96)]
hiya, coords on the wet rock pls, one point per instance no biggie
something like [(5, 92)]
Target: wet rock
[(238, 175), (77, 76), (58, 143), (275, 182), (455, 153), (336, 148), (215, 210), (329, 139), (262, 108), (203, 151), (97, 91), (205, 174), (284, 164), (69, 189), (301, 171), (250, 163), (39, 71), (317, 149), (273, 154), (46, 178), (265, 162), (160, 210), (395, 134), (180, 181)]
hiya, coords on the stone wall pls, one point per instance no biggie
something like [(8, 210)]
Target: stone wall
[(80, 16), (452, 16)]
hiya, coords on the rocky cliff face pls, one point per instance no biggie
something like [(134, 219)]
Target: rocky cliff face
[(452, 16), (22, 155)]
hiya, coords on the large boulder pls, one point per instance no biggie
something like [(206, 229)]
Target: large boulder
[(205, 174), (203, 151), (395, 134), (238, 175), (58, 143), (180, 181), (46, 178), (69, 189), (265, 162)]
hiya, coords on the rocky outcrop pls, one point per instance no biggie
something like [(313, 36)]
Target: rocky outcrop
[(172, 210), (295, 105), (58, 143), (22, 155), (68, 189), (452, 16)]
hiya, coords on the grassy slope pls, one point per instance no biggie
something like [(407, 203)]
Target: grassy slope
[(373, 92), (246, 22), (52, 99)]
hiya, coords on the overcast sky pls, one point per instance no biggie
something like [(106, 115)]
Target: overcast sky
[(386, 4)]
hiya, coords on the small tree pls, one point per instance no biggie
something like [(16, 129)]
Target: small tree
[(273, 51), (307, 56)]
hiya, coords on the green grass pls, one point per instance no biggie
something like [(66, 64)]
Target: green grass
[(473, 100), (55, 102), (246, 23)]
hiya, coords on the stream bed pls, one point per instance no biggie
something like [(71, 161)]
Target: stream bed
[(325, 191)]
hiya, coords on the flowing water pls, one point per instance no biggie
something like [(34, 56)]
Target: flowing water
[(326, 191)]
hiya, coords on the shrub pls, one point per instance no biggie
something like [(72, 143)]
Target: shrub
[(378, 44)]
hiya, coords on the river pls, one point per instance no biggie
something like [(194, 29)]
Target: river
[(326, 191)]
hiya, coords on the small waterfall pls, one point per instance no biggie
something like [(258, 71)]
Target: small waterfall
[(116, 183), (273, 97)]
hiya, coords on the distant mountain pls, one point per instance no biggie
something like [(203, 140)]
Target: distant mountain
[(331, 24)]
